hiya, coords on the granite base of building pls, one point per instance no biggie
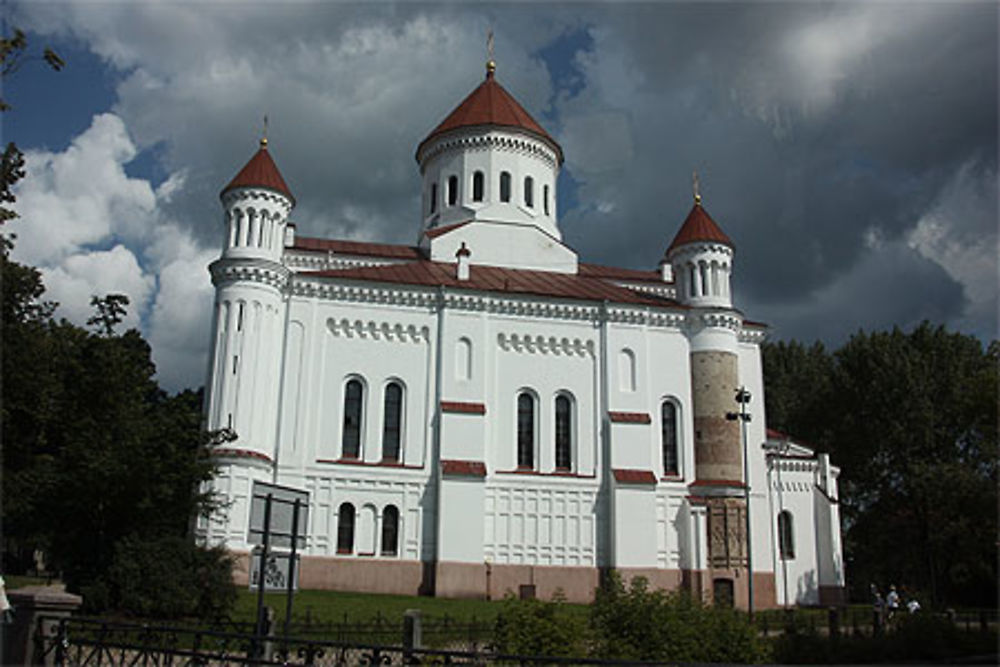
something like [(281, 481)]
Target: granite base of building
[(491, 581)]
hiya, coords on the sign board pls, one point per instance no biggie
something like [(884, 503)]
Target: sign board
[(275, 573), (282, 507)]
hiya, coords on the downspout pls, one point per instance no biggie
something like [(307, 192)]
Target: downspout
[(606, 436), (435, 458)]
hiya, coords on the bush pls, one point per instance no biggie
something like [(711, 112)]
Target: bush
[(164, 578), (535, 627), (639, 624)]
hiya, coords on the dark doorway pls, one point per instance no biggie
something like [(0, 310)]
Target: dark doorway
[(722, 592)]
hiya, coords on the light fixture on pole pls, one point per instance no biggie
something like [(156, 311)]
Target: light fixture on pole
[(743, 398)]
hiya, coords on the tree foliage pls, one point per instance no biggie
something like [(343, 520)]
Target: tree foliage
[(537, 627), (636, 623), (911, 419), (100, 466)]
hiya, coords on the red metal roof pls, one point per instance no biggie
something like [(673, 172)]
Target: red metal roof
[(618, 273), (489, 104), (498, 279), (260, 172), (699, 226), (390, 250)]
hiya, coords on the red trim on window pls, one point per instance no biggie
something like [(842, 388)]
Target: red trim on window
[(554, 473), (463, 468), (374, 464), (463, 407), (629, 417), (626, 476), (344, 551)]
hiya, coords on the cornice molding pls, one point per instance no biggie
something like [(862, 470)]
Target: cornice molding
[(248, 269), (242, 195), (403, 333), (493, 139), (546, 345)]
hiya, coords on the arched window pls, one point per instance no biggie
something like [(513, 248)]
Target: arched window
[(390, 530), (478, 186), (463, 359), (345, 529), (626, 370), (525, 430), (434, 197), (529, 192), (353, 396), (564, 433), (545, 198), (452, 190), (393, 418), (505, 186), (668, 434), (704, 278), (692, 280), (786, 536)]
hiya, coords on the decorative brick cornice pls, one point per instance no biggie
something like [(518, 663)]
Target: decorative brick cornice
[(629, 417), (463, 407), (240, 269), (492, 141), (628, 476), (546, 345), (463, 468), (378, 330)]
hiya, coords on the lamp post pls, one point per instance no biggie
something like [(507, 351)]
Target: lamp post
[(743, 398), (774, 452)]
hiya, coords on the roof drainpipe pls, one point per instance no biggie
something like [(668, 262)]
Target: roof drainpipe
[(463, 254)]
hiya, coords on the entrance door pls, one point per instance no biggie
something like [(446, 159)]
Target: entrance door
[(722, 592)]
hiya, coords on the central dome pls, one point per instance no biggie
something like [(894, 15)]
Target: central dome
[(490, 105)]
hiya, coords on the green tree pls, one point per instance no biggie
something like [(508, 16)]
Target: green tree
[(537, 627), (636, 623), (911, 419)]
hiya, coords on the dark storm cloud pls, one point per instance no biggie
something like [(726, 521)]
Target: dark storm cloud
[(813, 126)]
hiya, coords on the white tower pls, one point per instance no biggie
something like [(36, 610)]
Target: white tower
[(491, 170), (248, 337)]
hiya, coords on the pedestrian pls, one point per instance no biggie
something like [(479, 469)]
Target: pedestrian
[(892, 601), (913, 606), (878, 607)]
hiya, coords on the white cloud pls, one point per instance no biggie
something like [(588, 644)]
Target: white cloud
[(74, 202)]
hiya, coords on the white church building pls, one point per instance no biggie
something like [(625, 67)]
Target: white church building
[(484, 412)]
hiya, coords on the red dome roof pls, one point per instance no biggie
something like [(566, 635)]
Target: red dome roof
[(489, 104), (260, 172), (699, 227)]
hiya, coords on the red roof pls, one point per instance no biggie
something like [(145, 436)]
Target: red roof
[(260, 172), (699, 226), (489, 104), (618, 273), (390, 250), (498, 279)]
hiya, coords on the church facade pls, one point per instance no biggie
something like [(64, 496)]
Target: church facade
[(483, 412)]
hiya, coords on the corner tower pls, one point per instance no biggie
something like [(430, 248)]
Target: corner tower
[(249, 280), (491, 169)]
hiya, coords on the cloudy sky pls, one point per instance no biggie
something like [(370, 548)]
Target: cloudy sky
[(848, 149)]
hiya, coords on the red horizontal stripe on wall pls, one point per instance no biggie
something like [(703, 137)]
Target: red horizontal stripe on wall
[(629, 417), (463, 407), (467, 468), (626, 476)]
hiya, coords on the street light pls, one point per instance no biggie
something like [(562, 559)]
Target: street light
[(743, 398), (773, 452)]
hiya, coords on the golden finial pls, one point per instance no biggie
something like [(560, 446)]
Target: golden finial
[(263, 137), (491, 65), (694, 187)]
